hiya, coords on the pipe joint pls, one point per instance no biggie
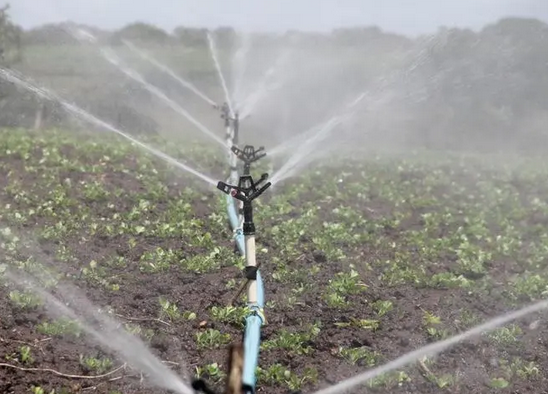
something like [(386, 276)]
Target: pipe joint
[(256, 310), (250, 272), (249, 228)]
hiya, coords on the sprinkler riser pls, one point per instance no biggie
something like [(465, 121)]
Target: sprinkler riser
[(236, 128), (249, 226), (247, 169)]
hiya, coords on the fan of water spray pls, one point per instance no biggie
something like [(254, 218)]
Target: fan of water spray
[(377, 96), (168, 71), (433, 349), (304, 154), (214, 56), (266, 85), (112, 58), (239, 67), (316, 134), (11, 76), (105, 331)]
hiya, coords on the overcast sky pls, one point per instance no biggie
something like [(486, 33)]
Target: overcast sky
[(402, 16)]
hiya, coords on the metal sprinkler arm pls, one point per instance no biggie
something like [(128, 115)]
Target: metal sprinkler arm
[(246, 191)]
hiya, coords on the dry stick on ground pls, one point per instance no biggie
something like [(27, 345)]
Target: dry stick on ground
[(425, 371), (64, 375), (34, 345)]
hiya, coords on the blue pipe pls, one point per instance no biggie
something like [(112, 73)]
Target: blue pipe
[(254, 321), (234, 224), (252, 338), (234, 217)]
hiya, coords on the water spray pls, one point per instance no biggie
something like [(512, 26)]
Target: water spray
[(213, 51), (17, 79), (168, 71), (109, 55)]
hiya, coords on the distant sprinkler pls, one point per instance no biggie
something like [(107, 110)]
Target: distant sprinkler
[(225, 112)]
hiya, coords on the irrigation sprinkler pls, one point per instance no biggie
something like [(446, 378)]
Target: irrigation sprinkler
[(242, 380), (246, 191), (225, 113), (232, 126), (243, 357)]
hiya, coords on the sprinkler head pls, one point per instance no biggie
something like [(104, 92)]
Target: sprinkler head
[(248, 155)]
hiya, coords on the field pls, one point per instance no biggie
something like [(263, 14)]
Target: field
[(364, 259)]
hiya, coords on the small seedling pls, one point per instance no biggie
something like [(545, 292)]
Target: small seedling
[(382, 307), (25, 300), (499, 383), (360, 355), (60, 328), (169, 310), (25, 355), (94, 364), (210, 372), (212, 339)]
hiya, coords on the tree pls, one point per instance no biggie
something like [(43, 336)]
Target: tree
[(141, 32), (191, 37), (225, 37), (10, 38)]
